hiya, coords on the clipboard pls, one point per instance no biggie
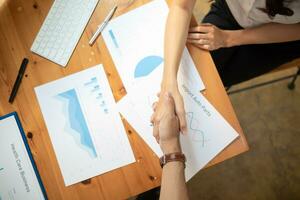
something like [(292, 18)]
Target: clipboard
[(10, 189)]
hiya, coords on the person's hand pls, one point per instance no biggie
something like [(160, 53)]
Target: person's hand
[(208, 37), (160, 108), (166, 131)]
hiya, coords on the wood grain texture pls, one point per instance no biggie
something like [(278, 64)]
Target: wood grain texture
[(20, 21)]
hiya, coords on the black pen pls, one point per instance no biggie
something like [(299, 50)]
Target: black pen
[(18, 80)]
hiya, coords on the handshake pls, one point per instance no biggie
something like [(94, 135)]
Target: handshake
[(166, 126), (166, 130)]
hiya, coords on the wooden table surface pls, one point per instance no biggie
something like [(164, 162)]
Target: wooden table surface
[(20, 21)]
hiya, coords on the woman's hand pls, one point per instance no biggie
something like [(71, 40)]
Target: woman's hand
[(208, 37), (160, 109), (166, 131)]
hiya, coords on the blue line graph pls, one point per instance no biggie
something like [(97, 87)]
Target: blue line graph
[(77, 122), (193, 124), (147, 65)]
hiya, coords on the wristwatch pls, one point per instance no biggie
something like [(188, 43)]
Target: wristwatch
[(177, 156)]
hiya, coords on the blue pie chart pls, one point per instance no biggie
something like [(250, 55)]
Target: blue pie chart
[(147, 65)]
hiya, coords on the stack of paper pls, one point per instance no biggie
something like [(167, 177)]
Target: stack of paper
[(135, 41)]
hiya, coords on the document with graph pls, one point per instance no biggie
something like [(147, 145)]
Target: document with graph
[(84, 125), (135, 41), (208, 132)]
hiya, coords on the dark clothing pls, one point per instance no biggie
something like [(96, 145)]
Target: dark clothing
[(241, 63)]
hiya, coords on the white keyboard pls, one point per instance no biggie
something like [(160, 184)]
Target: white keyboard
[(62, 29)]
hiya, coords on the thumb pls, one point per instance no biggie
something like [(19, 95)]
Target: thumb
[(169, 103)]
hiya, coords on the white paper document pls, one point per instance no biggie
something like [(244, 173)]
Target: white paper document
[(84, 125), (208, 132), (18, 178), (135, 41)]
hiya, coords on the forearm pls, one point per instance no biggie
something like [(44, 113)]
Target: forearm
[(264, 34), (173, 182), (175, 37)]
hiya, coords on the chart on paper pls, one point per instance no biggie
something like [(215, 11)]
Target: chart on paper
[(77, 125), (195, 130), (146, 65), (135, 41), (84, 126)]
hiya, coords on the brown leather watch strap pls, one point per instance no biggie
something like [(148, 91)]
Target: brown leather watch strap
[(178, 156)]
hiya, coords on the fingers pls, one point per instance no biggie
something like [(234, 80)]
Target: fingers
[(203, 28), (180, 111), (205, 47), (169, 103), (154, 106), (155, 122), (202, 36), (182, 122), (202, 44), (152, 118), (198, 42), (198, 36), (156, 131)]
